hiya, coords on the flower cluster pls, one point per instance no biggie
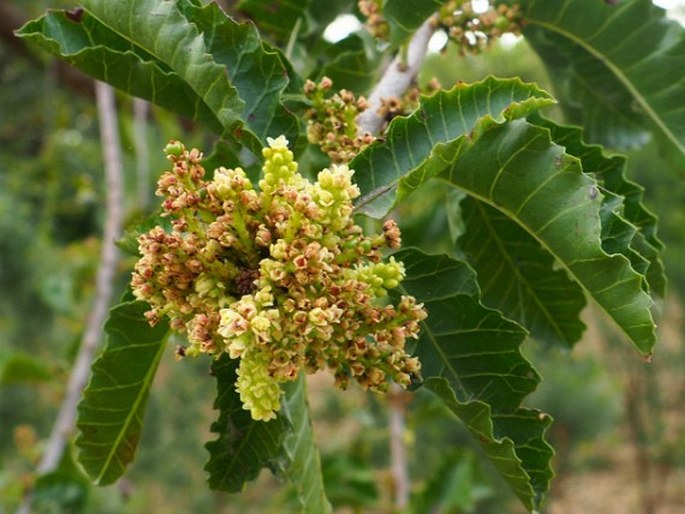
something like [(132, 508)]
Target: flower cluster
[(472, 31), (332, 121), (375, 22), (281, 278)]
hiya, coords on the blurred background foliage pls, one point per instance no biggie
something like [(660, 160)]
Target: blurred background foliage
[(614, 415)]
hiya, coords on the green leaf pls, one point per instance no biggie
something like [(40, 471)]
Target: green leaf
[(390, 169), (226, 78), (514, 167), (470, 358), (517, 276), (610, 175), (22, 368), (244, 446), (259, 72), (110, 414), (518, 170), (453, 485), (300, 461), (65, 489), (619, 69), (326, 12), (405, 16), (348, 65), (277, 18)]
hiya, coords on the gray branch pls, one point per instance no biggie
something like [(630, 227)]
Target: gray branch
[(109, 257), (396, 79)]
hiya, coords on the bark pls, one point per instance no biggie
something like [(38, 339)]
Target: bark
[(65, 423), (396, 79)]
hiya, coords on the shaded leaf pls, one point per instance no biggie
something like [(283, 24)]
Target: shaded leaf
[(453, 486), (326, 12), (405, 16), (300, 461), (517, 276), (110, 414), (470, 358), (65, 489), (619, 68), (277, 18), (513, 166), (350, 479), (348, 65), (244, 446), (22, 368)]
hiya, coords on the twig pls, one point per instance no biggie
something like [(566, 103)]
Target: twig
[(140, 113), (399, 467), (109, 257), (396, 79)]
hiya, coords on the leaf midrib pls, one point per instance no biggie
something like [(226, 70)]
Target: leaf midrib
[(521, 278), (133, 412), (533, 234)]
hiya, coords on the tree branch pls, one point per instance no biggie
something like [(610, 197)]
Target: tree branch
[(109, 258), (396, 79), (399, 467)]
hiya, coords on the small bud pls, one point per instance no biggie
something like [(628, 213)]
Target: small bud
[(174, 149)]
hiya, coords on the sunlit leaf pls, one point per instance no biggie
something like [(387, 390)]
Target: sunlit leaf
[(517, 275), (226, 78), (610, 175), (390, 169)]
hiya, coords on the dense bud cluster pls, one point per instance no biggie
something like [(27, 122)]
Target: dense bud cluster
[(472, 31), (280, 278), (332, 121), (375, 22)]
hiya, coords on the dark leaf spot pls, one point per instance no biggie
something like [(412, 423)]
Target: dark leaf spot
[(75, 14)]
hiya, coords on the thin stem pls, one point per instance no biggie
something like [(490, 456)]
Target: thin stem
[(109, 257), (140, 112)]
